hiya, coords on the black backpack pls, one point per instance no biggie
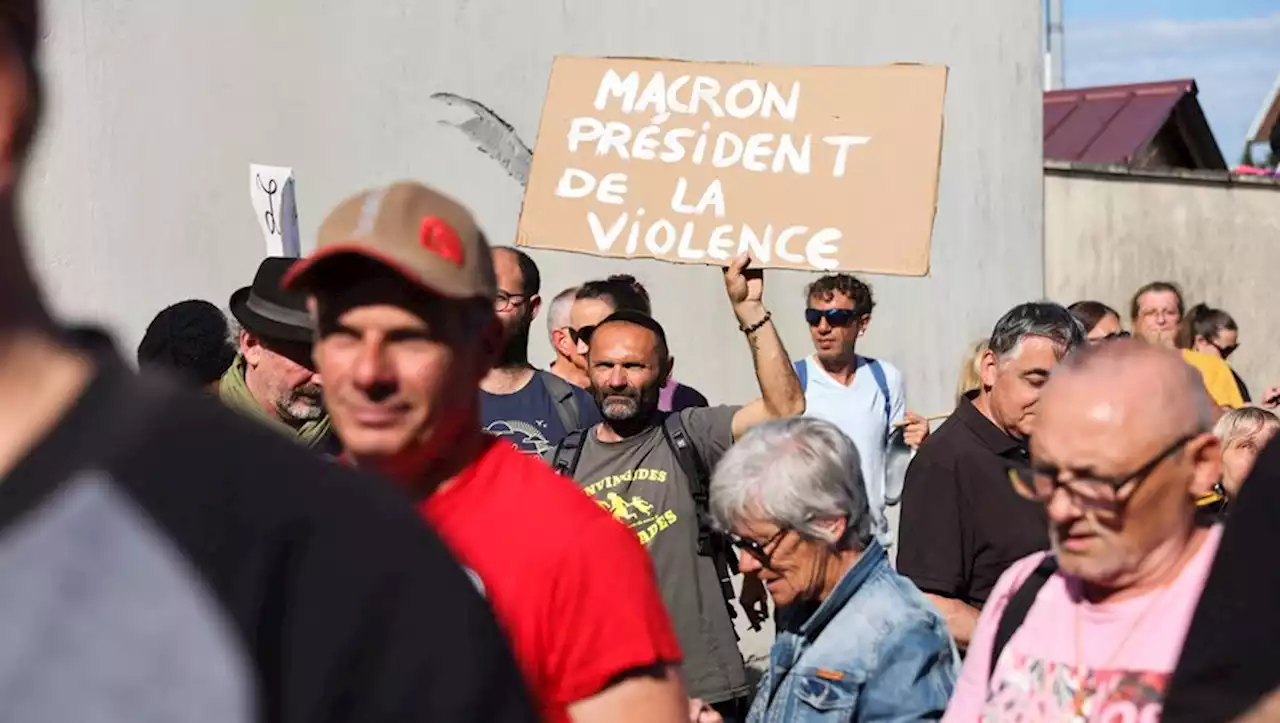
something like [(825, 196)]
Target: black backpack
[(711, 543)]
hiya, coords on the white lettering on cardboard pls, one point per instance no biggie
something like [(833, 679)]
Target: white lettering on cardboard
[(577, 183), (713, 196), (821, 250), (613, 85), (584, 130), (604, 239), (743, 99), (651, 237), (843, 144)]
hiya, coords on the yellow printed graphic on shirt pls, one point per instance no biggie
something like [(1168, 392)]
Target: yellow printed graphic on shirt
[(632, 510)]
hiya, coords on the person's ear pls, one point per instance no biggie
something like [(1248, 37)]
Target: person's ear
[(1205, 452), (559, 337), (250, 348), (834, 527), (988, 367), (863, 324), (667, 366), (535, 305)]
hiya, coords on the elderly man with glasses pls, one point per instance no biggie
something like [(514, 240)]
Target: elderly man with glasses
[(856, 641), (1092, 630)]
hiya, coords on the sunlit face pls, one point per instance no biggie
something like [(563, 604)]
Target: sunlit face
[(402, 378), (1094, 433), (1239, 455), (1107, 326), (278, 379), (795, 567), (586, 313), (1158, 318), (1014, 383), (626, 371), (837, 331)]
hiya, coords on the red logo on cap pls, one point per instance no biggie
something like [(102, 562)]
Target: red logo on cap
[(438, 237)]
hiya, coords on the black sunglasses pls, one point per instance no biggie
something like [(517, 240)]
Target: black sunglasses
[(834, 317), (760, 551), (582, 334), (1225, 351)]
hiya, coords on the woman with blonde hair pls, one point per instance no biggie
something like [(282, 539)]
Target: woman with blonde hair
[(1243, 433), (971, 371)]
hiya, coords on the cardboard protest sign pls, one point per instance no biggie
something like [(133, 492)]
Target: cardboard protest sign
[(271, 189), (818, 168)]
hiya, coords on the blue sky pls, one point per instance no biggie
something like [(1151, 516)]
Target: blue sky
[(1230, 47)]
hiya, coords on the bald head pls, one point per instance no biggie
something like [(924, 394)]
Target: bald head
[(1131, 382)]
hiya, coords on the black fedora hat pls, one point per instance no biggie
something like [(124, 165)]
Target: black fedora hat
[(265, 309)]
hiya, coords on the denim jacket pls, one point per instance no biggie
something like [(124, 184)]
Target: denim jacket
[(875, 650)]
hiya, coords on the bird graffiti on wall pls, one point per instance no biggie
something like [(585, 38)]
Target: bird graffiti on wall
[(492, 135)]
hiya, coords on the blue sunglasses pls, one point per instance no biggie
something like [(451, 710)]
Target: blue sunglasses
[(834, 317)]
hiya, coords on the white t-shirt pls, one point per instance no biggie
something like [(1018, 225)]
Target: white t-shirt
[(858, 410)]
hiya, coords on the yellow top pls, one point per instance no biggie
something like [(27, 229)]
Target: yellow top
[(1218, 379)]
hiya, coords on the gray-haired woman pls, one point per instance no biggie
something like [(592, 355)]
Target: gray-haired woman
[(856, 641)]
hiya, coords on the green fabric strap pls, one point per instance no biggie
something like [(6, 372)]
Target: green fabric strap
[(234, 392)]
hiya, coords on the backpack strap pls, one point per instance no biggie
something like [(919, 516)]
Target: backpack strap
[(687, 455), (1019, 605), (564, 460), (877, 373), (711, 543), (563, 399), (802, 373)]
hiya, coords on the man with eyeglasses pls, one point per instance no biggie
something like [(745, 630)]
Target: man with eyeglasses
[(864, 397), (962, 525), (530, 408), (1092, 629)]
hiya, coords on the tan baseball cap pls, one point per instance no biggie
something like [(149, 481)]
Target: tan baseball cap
[(421, 234)]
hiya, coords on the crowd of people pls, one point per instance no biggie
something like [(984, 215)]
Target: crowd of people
[(360, 500)]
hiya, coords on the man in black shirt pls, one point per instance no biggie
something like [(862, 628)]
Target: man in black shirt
[(962, 522), (163, 559)]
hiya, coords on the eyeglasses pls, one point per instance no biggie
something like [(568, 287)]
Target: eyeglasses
[(834, 317), (505, 302), (1103, 496), (759, 551), (582, 335)]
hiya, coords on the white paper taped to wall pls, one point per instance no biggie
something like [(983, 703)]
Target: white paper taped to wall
[(271, 189)]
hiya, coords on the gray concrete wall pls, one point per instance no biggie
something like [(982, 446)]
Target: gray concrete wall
[(1106, 234), (139, 197)]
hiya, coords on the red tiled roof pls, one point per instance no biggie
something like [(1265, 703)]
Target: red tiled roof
[(1115, 124)]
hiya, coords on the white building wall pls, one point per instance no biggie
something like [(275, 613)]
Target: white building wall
[(139, 196)]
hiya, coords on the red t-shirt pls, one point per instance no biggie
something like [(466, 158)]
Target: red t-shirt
[(573, 588)]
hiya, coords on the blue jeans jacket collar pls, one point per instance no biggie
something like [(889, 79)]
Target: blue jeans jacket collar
[(848, 585)]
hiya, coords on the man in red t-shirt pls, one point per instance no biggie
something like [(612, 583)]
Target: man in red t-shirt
[(402, 289)]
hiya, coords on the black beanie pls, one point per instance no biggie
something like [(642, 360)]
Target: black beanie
[(191, 338)]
